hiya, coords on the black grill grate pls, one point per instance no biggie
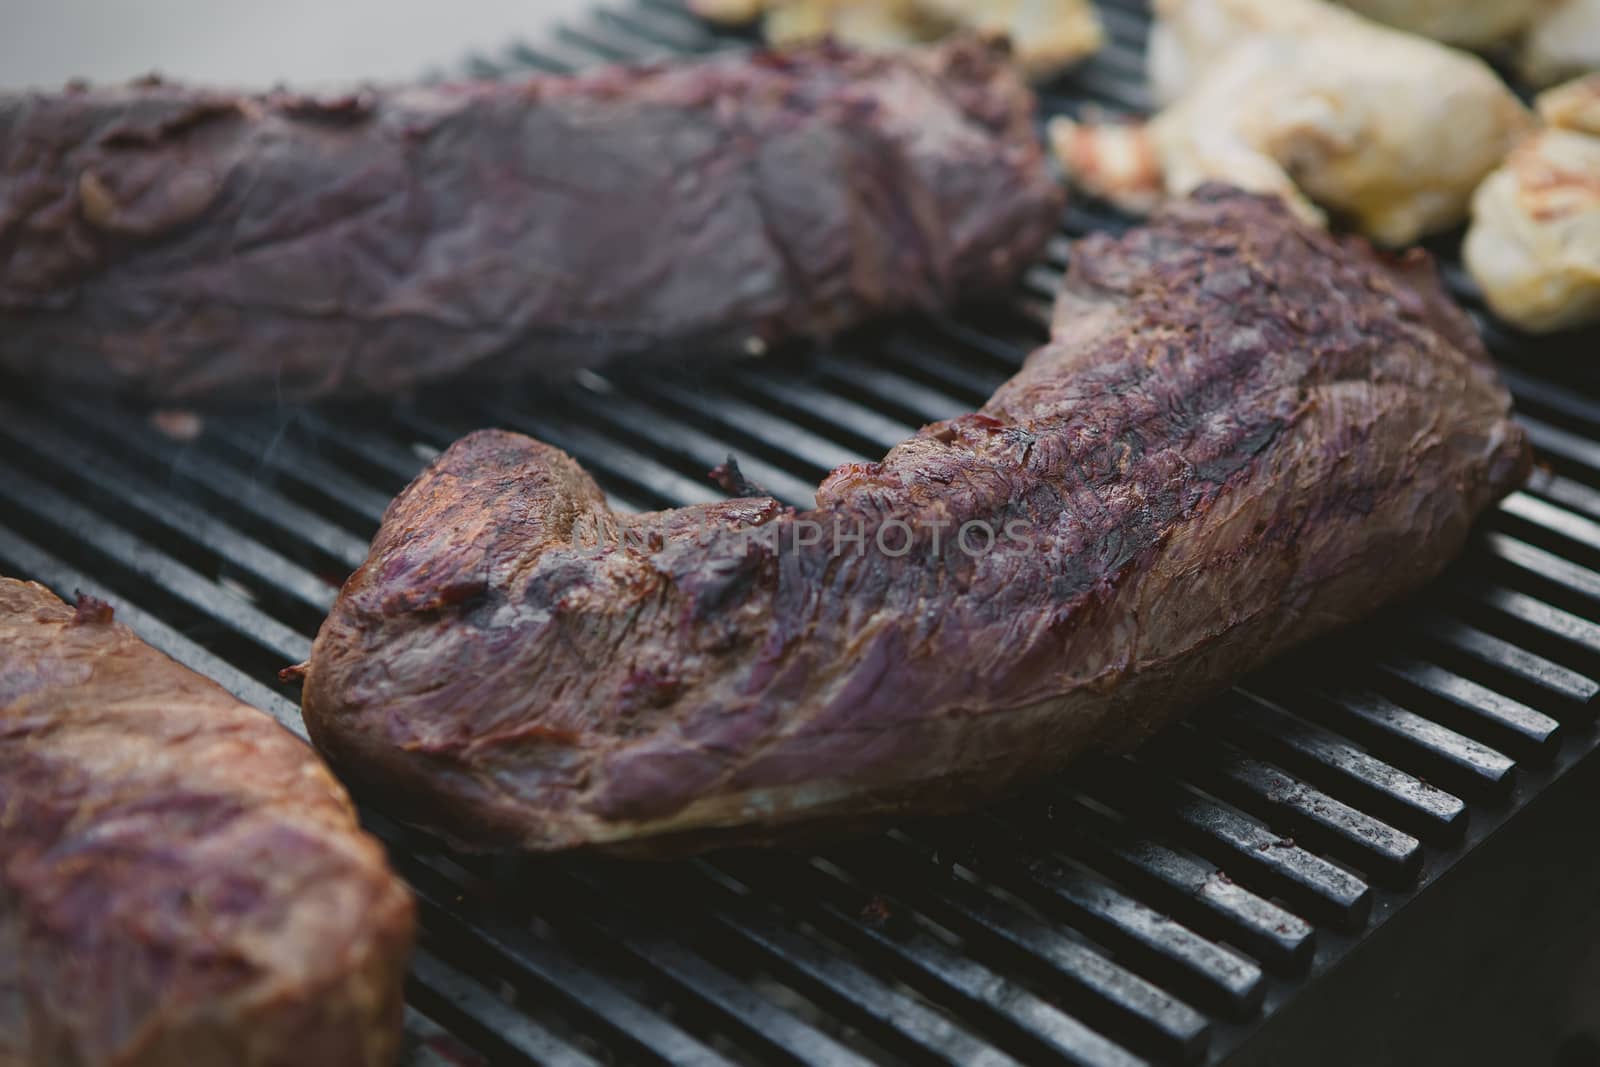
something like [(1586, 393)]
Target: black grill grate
[(1153, 908)]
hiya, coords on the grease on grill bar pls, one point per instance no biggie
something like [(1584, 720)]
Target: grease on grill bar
[(1158, 908)]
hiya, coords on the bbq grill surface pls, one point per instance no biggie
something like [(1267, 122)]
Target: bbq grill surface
[(1377, 851)]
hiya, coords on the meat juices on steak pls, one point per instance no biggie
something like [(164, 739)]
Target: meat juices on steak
[(1242, 433), (187, 244), (182, 882)]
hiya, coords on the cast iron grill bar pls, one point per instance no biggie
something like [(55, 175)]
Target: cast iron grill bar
[(1520, 671), (690, 448), (1452, 759), (665, 949), (1342, 767), (907, 354), (890, 392), (1307, 814), (898, 1021), (511, 949), (270, 572), (868, 431), (1556, 404), (1564, 583), (381, 461), (1564, 449), (224, 491), (1024, 1025), (640, 22), (1577, 536), (1478, 710), (483, 1018), (750, 426), (320, 483), (550, 57), (427, 1044), (1130, 1008), (26, 498), (1570, 494), (630, 49), (1314, 886), (661, 481), (1184, 885), (1531, 621), (1129, 945), (1203, 972)]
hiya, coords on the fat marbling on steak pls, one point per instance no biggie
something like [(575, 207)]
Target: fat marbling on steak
[(1242, 432), (186, 244), (182, 882)]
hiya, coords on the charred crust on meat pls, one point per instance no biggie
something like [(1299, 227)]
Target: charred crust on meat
[(438, 598), (731, 480), (90, 610)]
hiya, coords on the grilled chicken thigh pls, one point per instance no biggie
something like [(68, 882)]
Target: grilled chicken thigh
[(1534, 245), (1325, 108), (1468, 23), (1563, 42), (1556, 39), (1574, 106), (1046, 35)]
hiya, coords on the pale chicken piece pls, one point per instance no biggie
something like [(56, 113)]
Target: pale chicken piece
[(1115, 161), (729, 12), (1534, 245), (1467, 23), (1574, 106), (866, 23), (1555, 39), (1309, 101), (1564, 42), (1047, 36), (1189, 38)]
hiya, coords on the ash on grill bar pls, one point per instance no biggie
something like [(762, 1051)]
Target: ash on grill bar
[(1244, 714)]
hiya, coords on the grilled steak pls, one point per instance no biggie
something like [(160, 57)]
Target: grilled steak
[(185, 244), (1243, 432), (182, 882)]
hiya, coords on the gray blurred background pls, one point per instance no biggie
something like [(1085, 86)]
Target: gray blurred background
[(255, 43)]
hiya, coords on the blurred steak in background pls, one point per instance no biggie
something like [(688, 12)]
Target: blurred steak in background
[(184, 244)]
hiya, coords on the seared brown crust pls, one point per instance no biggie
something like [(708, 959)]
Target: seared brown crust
[(182, 883), (1243, 433), (181, 244)]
